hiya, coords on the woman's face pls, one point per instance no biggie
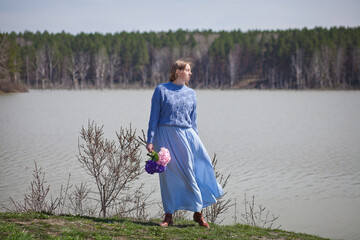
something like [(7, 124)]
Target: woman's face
[(185, 74)]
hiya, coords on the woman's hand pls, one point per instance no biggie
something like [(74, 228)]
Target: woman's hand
[(150, 147)]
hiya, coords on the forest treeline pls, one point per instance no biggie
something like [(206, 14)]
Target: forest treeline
[(318, 58)]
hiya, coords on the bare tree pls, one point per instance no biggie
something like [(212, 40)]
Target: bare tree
[(143, 74), (325, 80), (27, 70), (51, 60), (101, 62), (338, 68), (112, 165), (155, 72), (355, 73), (40, 67), (297, 68), (83, 65), (4, 56), (64, 70), (113, 66), (202, 54), (78, 68), (271, 76), (158, 64), (313, 72), (233, 58), (74, 71)]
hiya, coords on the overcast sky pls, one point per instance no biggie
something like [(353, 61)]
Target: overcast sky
[(109, 16)]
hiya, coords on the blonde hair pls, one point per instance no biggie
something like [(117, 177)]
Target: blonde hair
[(177, 66)]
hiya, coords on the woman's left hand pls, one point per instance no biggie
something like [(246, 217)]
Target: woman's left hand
[(150, 147)]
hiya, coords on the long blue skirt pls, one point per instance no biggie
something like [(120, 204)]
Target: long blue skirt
[(189, 182)]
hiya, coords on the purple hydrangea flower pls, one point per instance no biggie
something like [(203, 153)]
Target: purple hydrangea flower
[(160, 168), (150, 166)]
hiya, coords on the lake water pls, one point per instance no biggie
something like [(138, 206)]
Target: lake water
[(297, 152)]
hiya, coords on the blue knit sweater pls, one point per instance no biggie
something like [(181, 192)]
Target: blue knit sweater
[(173, 105)]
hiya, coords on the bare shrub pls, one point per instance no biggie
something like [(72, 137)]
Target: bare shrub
[(221, 206), (78, 201), (63, 195), (113, 165), (142, 139), (134, 205), (36, 200), (257, 217)]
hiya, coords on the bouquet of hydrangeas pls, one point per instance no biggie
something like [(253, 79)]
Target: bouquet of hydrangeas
[(158, 161)]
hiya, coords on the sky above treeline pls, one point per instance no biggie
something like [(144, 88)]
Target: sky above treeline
[(110, 16)]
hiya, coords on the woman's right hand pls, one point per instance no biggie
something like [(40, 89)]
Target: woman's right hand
[(150, 147)]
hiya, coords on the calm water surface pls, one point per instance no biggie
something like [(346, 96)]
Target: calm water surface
[(297, 152)]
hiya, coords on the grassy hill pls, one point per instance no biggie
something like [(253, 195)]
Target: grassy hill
[(44, 226)]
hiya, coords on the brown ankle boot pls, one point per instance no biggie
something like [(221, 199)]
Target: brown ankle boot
[(199, 218), (167, 220)]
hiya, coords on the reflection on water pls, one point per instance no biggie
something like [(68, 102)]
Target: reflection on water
[(296, 151)]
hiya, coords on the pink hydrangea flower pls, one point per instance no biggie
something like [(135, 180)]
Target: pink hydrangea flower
[(164, 157)]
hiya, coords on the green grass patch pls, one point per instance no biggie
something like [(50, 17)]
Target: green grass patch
[(45, 226)]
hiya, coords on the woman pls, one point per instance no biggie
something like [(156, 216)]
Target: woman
[(189, 181)]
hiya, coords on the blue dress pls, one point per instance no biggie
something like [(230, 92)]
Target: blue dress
[(189, 182)]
